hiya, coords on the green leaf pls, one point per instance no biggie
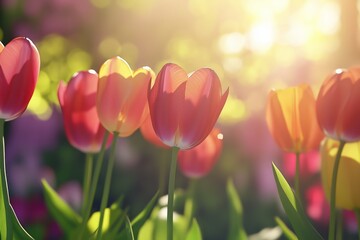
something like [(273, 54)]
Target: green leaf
[(66, 217), (287, 232), (194, 232), (141, 218), (293, 208), (236, 228), (19, 232)]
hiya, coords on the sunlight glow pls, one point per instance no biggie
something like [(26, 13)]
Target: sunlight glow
[(231, 43), (261, 36)]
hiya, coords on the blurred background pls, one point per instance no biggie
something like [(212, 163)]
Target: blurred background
[(252, 45)]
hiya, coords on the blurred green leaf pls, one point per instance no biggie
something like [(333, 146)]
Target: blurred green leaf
[(113, 220), (146, 231), (60, 210), (194, 232), (19, 232), (287, 232), (141, 218), (236, 228), (293, 208), (129, 229)]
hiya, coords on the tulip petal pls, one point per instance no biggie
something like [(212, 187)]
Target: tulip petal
[(19, 69), (347, 190), (78, 104), (277, 123), (113, 89), (202, 96), (134, 108), (310, 129), (167, 92), (331, 101)]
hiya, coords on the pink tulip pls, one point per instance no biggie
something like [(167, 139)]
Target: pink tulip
[(78, 104), (19, 71), (184, 108), (198, 161)]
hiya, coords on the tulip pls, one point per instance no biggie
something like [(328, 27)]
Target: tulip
[(149, 134), (337, 104), (198, 161), (78, 104), (122, 96), (19, 71), (291, 118), (347, 194), (184, 108)]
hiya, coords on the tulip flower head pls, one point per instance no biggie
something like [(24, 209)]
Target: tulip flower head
[(122, 96), (78, 104), (337, 105), (198, 161), (348, 177), (184, 108), (19, 71), (291, 118)]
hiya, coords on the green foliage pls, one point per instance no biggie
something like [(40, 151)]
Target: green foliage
[(141, 218), (287, 232), (60, 210), (194, 232), (293, 208), (236, 228)]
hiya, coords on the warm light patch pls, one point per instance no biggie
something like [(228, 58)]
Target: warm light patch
[(109, 47), (233, 111), (231, 43)]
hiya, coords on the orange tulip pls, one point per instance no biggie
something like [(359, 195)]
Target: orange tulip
[(198, 161), (184, 108), (348, 176), (19, 71), (291, 118), (337, 105), (78, 104), (122, 96)]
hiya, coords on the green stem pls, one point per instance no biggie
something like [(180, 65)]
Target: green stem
[(105, 196), (297, 176), (170, 207), (93, 186), (332, 227), (339, 226), (6, 234), (87, 180), (357, 213)]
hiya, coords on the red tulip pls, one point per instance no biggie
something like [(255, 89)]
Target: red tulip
[(19, 71), (122, 96), (291, 118), (78, 104), (337, 105), (185, 108), (198, 161)]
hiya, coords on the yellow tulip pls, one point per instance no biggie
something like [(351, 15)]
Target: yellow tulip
[(348, 178)]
